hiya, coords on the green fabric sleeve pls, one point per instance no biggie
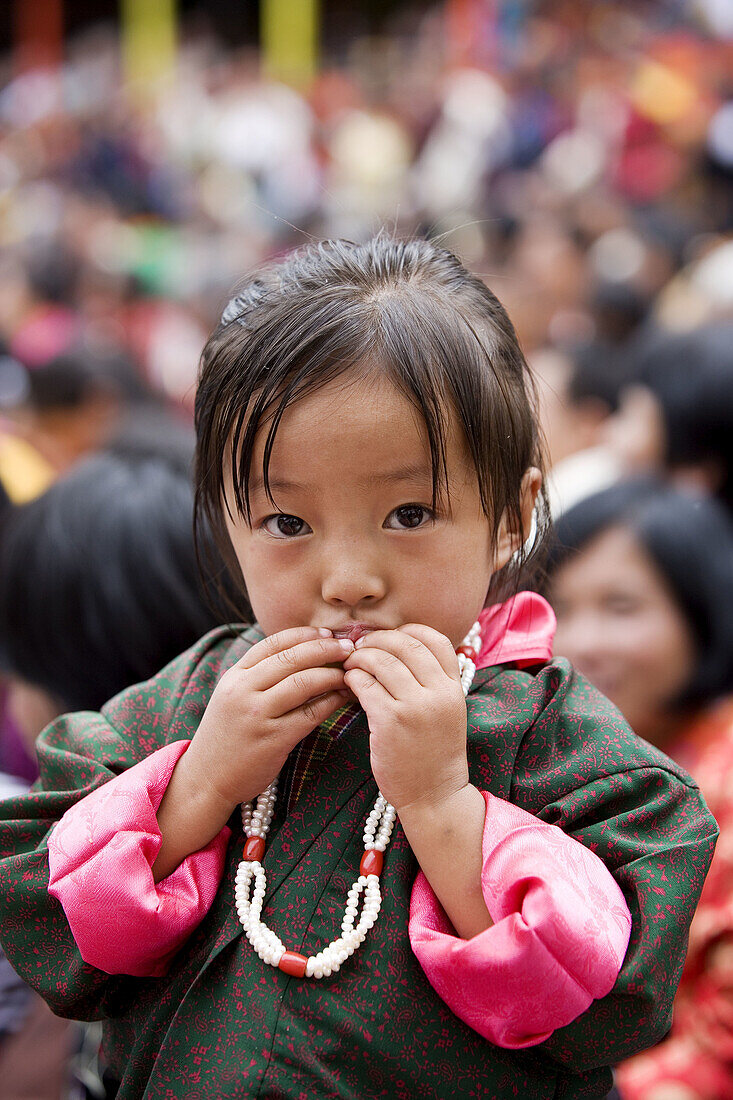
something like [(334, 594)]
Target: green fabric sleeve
[(78, 753), (648, 822)]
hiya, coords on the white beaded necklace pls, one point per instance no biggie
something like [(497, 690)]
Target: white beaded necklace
[(377, 833)]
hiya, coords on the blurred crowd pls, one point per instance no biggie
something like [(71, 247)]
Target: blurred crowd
[(579, 156)]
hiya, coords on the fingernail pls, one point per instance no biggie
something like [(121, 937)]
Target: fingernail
[(346, 645), (324, 632), (360, 642)]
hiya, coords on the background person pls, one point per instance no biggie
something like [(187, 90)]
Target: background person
[(578, 391), (99, 587), (111, 542), (641, 580), (675, 414)]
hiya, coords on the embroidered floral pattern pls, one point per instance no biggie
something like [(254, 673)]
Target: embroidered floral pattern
[(221, 1024)]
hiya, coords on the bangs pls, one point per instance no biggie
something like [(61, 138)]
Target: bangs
[(405, 312), (358, 342)]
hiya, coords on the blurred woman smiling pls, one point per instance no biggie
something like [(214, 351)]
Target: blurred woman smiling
[(641, 580)]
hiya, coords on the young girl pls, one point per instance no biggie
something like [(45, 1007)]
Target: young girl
[(368, 454)]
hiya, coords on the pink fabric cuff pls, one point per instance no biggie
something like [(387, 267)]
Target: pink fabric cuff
[(560, 933), (100, 858)]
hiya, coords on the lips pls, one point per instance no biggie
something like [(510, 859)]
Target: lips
[(353, 631)]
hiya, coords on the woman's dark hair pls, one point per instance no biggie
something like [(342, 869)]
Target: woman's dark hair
[(690, 541), (99, 585), (691, 375), (406, 309)]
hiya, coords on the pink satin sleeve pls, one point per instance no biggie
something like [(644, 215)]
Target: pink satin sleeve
[(100, 858), (560, 933)]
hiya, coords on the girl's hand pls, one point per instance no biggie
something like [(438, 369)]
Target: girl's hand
[(262, 707), (408, 683)]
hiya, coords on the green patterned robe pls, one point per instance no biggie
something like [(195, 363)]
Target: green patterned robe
[(223, 1024)]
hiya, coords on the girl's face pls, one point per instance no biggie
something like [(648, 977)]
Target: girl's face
[(619, 624), (353, 542)]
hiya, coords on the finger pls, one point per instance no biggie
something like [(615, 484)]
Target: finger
[(311, 714), (275, 643), (387, 668), (440, 646), (296, 690), (411, 652), (317, 653), (368, 690)]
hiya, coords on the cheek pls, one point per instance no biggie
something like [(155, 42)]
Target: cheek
[(454, 606), (264, 589), (280, 589), (598, 639), (662, 655)]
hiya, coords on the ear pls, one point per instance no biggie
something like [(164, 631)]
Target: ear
[(509, 537)]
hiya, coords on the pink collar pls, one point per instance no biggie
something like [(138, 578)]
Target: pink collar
[(519, 631)]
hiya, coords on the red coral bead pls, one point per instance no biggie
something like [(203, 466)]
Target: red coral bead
[(293, 963), (254, 848), (467, 651), (371, 863)]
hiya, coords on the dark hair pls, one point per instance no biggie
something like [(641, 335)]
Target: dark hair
[(99, 585), (150, 430), (598, 372), (52, 272), (407, 309), (619, 308), (70, 379), (691, 375), (690, 541)]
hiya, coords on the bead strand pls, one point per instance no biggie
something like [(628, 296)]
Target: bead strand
[(364, 899)]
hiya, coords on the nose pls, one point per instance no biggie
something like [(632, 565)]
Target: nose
[(352, 577)]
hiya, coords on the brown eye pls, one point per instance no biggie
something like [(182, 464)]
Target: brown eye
[(408, 516), (285, 527)]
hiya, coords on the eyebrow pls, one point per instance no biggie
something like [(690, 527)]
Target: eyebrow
[(415, 474)]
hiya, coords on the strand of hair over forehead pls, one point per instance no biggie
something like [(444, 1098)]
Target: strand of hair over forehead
[(388, 345), (381, 266), (382, 272), (334, 265)]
